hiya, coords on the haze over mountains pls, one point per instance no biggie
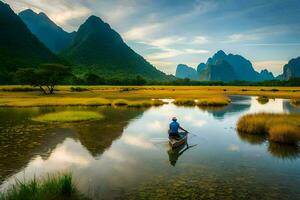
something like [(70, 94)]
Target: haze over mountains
[(229, 67)]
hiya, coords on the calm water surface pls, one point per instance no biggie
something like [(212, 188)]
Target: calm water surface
[(127, 156)]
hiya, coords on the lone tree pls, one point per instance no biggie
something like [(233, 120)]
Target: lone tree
[(46, 77)]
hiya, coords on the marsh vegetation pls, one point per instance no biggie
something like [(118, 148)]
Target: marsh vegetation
[(213, 101), (281, 128)]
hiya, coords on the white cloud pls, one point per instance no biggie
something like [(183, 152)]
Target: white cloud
[(200, 40), (195, 51), (61, 12), (164, 42), (234, 148), (141, 32), (63, 17), (242, 37), (137, 142), (171, 53)]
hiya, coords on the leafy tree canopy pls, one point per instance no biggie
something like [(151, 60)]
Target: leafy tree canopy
[(45, 77)]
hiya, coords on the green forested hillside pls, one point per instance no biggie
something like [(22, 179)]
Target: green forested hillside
[(98, 48), (19, 48)]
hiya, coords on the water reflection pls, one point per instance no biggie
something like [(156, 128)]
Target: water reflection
[(288, 107), (239, 104), (284, 151), (124, 155), (174, 154), (22, 139), (255, 139)]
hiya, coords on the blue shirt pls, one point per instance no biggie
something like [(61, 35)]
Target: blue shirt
[(174, 126)]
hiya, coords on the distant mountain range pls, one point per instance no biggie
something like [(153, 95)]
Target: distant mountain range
[(53, 36), (30, 39), (223, 67)]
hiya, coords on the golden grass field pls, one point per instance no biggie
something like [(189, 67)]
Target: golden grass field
[(105, 95), (281, 128)]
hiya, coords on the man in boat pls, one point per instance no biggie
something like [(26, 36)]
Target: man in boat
[(174, 128)]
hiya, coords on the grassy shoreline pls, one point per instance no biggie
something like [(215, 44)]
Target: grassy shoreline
[(105, 95), (48, 188)]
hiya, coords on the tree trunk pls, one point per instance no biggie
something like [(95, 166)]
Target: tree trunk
[(51, 89), (43, 90)]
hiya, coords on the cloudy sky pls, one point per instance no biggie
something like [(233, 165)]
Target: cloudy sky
[(169, 32)]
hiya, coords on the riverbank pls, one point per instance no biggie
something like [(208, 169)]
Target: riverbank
[(25, 96), (51, 187)]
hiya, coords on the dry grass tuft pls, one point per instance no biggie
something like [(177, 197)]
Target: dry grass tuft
[(281, 128), (137, 104), (185, 102), (213, 101), (218, 101), (284, 133)]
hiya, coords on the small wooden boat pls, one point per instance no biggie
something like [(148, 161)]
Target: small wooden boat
[(178, 141)]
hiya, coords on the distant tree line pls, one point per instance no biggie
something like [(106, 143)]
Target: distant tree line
[(46, 77)]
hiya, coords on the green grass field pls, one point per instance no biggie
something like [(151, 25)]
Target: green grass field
[(69, 116)]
